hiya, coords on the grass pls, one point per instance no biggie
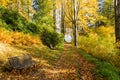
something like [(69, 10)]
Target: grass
[(103, 69), (41, 53), (45, 57)]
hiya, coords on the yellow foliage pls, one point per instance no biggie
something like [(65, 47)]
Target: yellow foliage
[(7, 51), (100, 44), (105, 30), (18, 38), (4, 2)]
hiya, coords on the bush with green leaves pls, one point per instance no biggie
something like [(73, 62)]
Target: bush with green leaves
[(13, 21), (32, 28), (51, 38)]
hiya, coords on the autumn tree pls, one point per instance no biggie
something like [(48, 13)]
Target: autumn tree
[(71, 16), (88, 14), (43, 16), (75, 16), (106, 13), (81, 14)]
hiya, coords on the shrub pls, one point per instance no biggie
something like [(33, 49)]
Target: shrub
[(13, 21), (100, 44), (32, 28), (18, 38), (24, 39), (51, 38)]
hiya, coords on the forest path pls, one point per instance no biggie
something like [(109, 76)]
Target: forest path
[(70, 66), (67, 64)]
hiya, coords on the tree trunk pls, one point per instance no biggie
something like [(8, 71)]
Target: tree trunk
[(62, 18), (18, 5), (28, 3), (54, 13), (117, 19), (75, 24)]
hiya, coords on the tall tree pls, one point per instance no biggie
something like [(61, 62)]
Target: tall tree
[(75, 23), (62, 17), (81, 14), (71, 15), (117, 19), (54, 13)]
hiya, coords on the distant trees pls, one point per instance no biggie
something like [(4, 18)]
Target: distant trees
[(43, 15), (106, 13), (76, 14), (71, 17), (24, 7), (79, 14)]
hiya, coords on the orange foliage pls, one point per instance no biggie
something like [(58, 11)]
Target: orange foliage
[(18, 38)]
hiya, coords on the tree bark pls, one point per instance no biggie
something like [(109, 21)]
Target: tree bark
[(54, 13), (75, 24), (117, 19), (62, 18), (28, 3), (18, 5)]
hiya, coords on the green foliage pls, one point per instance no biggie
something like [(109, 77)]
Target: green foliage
[(103, 69), (44, 7), (13, 21), (107, 13), (32, 28), (51, 38), (42, 16), (46, 22)]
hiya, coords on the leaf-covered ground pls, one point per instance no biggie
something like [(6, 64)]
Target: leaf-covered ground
[(54, 65)]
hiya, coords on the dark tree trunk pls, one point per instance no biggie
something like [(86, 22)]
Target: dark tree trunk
[(75, 24), (62, 18), (28, 3), (117, 19)]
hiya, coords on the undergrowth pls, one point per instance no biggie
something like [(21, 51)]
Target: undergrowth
[(103, 69), (101, 43), (18, 38)]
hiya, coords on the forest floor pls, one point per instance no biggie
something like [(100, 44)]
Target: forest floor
[(70, 66), (66, 64)]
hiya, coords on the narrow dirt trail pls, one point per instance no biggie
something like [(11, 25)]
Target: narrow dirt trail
[(70, 66)]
